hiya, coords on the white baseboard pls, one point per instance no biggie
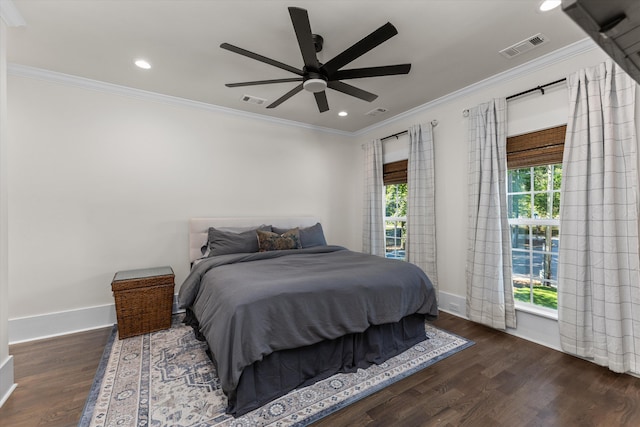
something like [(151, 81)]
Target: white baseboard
[(538, 329), (49, 325), (6, 380), (66, 322), (531, 327), (452, 304), (541, 330)]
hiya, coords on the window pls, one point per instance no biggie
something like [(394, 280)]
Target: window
[(534, 218), (395, 221), (395, 210), (533, 195)]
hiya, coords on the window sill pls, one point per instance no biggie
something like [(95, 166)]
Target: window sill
[(538, 311)]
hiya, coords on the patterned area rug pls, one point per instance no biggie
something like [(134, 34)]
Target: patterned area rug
[(166, 379)]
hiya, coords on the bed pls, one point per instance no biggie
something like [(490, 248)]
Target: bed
[(281, 319)]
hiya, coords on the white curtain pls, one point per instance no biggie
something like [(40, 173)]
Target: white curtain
[(373, 215), (598, 281), (489, 287), (421, 215)]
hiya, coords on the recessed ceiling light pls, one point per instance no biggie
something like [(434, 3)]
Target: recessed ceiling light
[(141, 63), (547, 5), (343, 113)]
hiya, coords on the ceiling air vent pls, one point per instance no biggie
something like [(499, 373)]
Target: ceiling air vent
[(253, 99), (376, 112), (524, 46)]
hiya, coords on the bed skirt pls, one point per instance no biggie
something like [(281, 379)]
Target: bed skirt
[(282, 371)]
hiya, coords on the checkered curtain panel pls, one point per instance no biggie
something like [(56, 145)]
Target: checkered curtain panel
[(373, 218), (421, 214), (598, 280), (489, 287)]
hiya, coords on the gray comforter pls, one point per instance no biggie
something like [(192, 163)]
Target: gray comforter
[(250, 305)]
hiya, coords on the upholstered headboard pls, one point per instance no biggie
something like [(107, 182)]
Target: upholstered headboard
[(199, 227)]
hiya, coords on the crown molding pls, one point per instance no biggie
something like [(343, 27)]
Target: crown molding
[(85, 83), (10, 14), (535, 65), (577, 48)]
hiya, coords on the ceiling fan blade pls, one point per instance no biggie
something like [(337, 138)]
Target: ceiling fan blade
[(356, 73), (286, 96), (374, 39), (261, 58), (352, 90), (302, 27), (321, 100), (264, 82)]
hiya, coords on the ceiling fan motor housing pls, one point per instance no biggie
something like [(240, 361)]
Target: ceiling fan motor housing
[(317, 42)]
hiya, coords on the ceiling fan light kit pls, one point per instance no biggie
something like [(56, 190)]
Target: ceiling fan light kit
[(315, 85), (316, 77)]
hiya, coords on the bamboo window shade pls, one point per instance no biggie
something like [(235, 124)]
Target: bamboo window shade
[(395, 172), (544, 147)]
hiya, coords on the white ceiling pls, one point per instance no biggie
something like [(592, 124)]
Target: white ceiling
[(451, 44)]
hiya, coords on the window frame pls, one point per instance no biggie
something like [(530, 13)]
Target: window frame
[(530, 150), (394, 173), (532, 222)]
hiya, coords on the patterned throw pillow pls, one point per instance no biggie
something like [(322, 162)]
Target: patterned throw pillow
[(268, 241), (309, 236)]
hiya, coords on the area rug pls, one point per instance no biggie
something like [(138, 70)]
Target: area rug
[(166, 379)]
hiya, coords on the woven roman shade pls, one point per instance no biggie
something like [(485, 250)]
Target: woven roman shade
[(395, 173), (544, 147)]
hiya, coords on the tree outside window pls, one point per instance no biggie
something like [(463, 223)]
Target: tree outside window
[(395, 221), (534, 218)]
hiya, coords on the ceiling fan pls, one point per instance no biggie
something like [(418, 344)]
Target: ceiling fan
[(315, 76)]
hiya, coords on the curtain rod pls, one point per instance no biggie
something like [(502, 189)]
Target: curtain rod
[(434, 123), (540, 88), (533, 89), (395, 135)]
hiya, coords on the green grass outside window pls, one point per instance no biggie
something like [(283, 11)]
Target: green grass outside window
[(545, 296)]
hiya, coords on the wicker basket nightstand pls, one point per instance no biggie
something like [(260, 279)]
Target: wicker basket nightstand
[(144, 300)]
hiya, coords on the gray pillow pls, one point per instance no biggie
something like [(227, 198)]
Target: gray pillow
[(222, 242), (309, 237)]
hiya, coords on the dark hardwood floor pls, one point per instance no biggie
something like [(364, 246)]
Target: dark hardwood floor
[(54, 377), (500, 381)]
